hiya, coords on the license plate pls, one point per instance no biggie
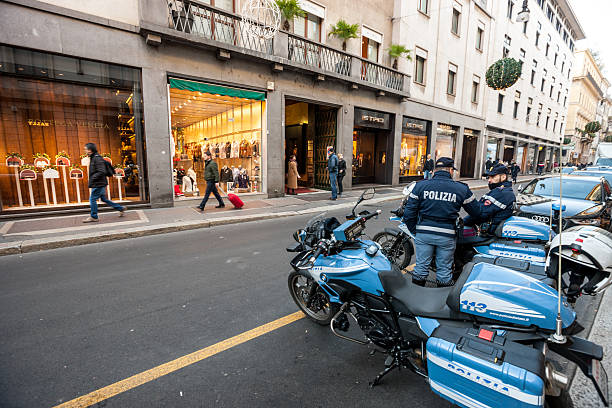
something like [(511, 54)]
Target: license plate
[(600, 379)]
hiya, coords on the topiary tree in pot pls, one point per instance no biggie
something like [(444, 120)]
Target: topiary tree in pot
[(289, 10), (397, 51), (344, 31)]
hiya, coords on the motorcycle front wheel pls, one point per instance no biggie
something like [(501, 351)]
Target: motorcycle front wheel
[(311, 299), (399, 254)]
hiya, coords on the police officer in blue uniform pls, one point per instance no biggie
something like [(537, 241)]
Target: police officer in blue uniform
[(431, 214), (496, 206)]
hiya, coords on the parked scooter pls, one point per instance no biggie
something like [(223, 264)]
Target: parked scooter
[(486, 341)]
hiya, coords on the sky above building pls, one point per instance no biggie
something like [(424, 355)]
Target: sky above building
[(595, 17)]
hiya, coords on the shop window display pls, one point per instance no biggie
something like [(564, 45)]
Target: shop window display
[(47, 119), (413, 149), (446, 140), (229, 127)]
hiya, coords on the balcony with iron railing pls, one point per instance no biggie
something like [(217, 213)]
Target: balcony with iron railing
[(197, 23), (207, 22)]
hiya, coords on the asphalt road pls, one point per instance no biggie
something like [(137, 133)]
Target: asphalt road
[(78, 319)]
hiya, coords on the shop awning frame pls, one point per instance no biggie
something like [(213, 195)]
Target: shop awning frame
[(216, 89)]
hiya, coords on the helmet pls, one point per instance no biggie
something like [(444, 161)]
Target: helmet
[(586, 253)]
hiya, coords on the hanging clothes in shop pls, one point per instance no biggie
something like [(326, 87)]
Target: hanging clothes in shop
[(235, 173), (255, 148), (228, 150), (226, 176), (236, 150)]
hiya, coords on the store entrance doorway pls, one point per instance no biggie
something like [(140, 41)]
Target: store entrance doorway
[(309, 130), (372, 147), (468, 155), (508, 152)]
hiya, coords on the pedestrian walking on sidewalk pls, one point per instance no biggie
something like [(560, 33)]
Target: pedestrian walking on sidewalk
[(341, 173), (211, 176), (514, 171), (99, 170), (332, 166), (428, 168), (292, 176)]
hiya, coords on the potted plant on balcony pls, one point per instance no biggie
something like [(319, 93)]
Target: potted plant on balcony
[(592, 127), (344, 31), (397, 51), (289, 10)]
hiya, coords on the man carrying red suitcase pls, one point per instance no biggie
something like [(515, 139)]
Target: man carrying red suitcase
[(211, 176)]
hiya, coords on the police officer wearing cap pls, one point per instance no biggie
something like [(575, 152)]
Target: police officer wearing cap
[(498, 205), (431, 214)]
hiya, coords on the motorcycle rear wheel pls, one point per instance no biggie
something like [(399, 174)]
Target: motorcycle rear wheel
[(320, 310), (403, 254), (562, 401)]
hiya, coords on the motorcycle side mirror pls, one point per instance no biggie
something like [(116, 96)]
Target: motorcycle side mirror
[(368, 194)]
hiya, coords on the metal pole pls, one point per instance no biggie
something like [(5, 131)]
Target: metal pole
[(558, 336)]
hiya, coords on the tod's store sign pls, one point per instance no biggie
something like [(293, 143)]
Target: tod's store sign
[(372, 119)]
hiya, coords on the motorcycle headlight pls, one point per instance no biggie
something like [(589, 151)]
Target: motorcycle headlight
[(591, 211), (587, 221)]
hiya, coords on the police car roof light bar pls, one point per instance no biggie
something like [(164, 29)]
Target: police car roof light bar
[(557, 336)]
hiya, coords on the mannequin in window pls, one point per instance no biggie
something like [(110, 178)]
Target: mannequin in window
[(243, 179), (292, 176)]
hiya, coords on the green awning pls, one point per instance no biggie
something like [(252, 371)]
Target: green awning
[(216, 89)]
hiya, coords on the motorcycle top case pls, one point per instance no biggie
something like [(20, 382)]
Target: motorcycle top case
[(485, 371)]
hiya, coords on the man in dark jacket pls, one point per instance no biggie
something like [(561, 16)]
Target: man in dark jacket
[(498, 204), (211, 176), (332, 166), (514, 171), (431, 214), (428, 168), (97, 183)]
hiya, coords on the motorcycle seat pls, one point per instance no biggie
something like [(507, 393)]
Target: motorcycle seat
[(407, 298)]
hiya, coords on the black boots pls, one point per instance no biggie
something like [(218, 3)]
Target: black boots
[(445, 284)]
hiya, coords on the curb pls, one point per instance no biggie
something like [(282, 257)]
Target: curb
[(41, 244)]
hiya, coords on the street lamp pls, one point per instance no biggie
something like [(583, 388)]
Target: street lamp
[(523, 15)]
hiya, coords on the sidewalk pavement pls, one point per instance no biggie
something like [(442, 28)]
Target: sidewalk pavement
[(582, 390), (29, 235)]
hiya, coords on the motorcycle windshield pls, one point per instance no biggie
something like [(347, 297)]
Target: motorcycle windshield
[(316, 220)]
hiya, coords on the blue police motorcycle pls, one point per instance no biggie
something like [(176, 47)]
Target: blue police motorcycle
[(487, 341)]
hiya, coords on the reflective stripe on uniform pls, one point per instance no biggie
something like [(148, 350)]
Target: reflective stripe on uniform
[(416, 197), (435, 229), (494, 201), (469, 199)]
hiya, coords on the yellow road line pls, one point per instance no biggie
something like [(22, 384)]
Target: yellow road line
[(181, 362), (174, 365)]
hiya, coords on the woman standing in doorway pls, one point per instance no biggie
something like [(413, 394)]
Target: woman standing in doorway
[(341, 172), (292, 176)]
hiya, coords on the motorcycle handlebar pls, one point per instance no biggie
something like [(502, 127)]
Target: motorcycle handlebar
[(370, 215), (322, 247)]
